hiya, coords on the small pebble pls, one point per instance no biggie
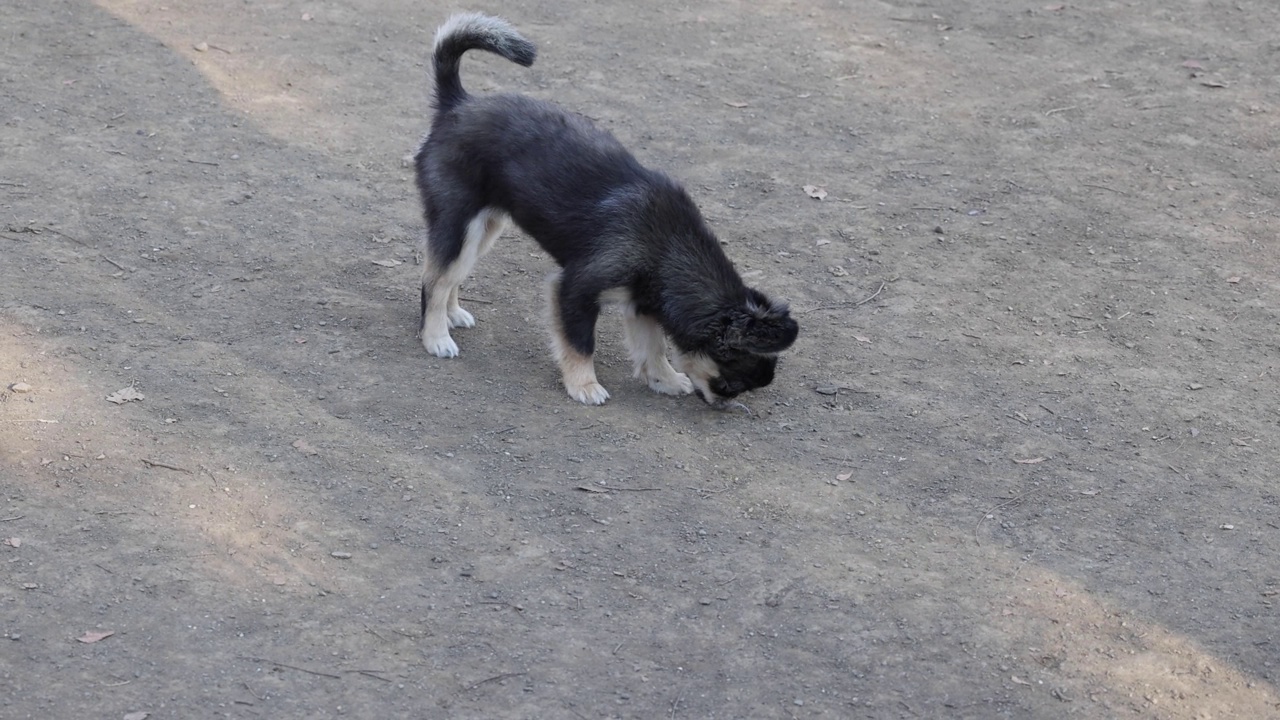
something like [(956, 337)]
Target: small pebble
[(341, 555), (20, 387), (705, 601)]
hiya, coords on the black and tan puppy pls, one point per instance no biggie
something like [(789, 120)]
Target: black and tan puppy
[(619, 231)]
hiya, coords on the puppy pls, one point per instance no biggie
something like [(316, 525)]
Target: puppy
[(619, 231)]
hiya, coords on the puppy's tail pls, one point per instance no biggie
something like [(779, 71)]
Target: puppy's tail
[(473, 31)]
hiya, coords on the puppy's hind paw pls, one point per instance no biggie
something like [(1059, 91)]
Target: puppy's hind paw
[(442, 346), (674, 384), (590, 393), (459, 318)]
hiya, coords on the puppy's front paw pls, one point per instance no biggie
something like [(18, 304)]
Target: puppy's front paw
[(588, 393), (459, 318), (673, 384), (442, 346)]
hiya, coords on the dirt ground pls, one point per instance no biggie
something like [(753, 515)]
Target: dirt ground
[(1018, 465)]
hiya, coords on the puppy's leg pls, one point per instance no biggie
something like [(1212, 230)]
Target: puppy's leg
[(458, 318), (492, 221), (435, 323), (573, 323), (647, 344), (449, 261)]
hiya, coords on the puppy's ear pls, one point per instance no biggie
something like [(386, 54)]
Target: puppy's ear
[(760, 326)]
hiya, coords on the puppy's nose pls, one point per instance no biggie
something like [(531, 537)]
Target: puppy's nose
[(725, 405)]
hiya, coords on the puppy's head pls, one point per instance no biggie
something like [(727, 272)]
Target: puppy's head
[(743, 348)]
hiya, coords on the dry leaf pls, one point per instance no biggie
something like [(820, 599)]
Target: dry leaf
[(1055, 8), (1090, 493), (13, 542), (591, 489), (124, 395), (735, 103), (1030, 461), (137, 716), (1213, 84), (859, 338), (387, 263), (94, 636), (844, 476), (305, 447), (1018, 680), (1233, 280), (29, 586), (816, 192)]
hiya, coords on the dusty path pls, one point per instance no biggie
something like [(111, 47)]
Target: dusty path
[(1031, 476)]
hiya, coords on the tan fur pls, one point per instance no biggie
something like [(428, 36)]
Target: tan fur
[(647, 344), (577, 370), (700, 369), (442, 284)]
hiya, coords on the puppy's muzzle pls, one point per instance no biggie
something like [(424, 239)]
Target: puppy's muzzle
[(723, 404)]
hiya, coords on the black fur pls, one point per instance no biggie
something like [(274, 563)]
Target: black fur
[(608, 221)]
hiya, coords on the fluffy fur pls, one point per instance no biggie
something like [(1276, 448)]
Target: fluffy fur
[(617, 229)]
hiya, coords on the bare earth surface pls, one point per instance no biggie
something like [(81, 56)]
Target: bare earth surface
[(1020, 464)]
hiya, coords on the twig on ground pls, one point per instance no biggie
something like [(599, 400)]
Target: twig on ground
[(370, 673), (1104, 187), (996, 509), (495, 678), (166, 466), (291, 667), (854, 303)]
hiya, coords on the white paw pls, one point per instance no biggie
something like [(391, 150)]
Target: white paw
[(674, 384), (459, 318), (442, 346), (592, 393)]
